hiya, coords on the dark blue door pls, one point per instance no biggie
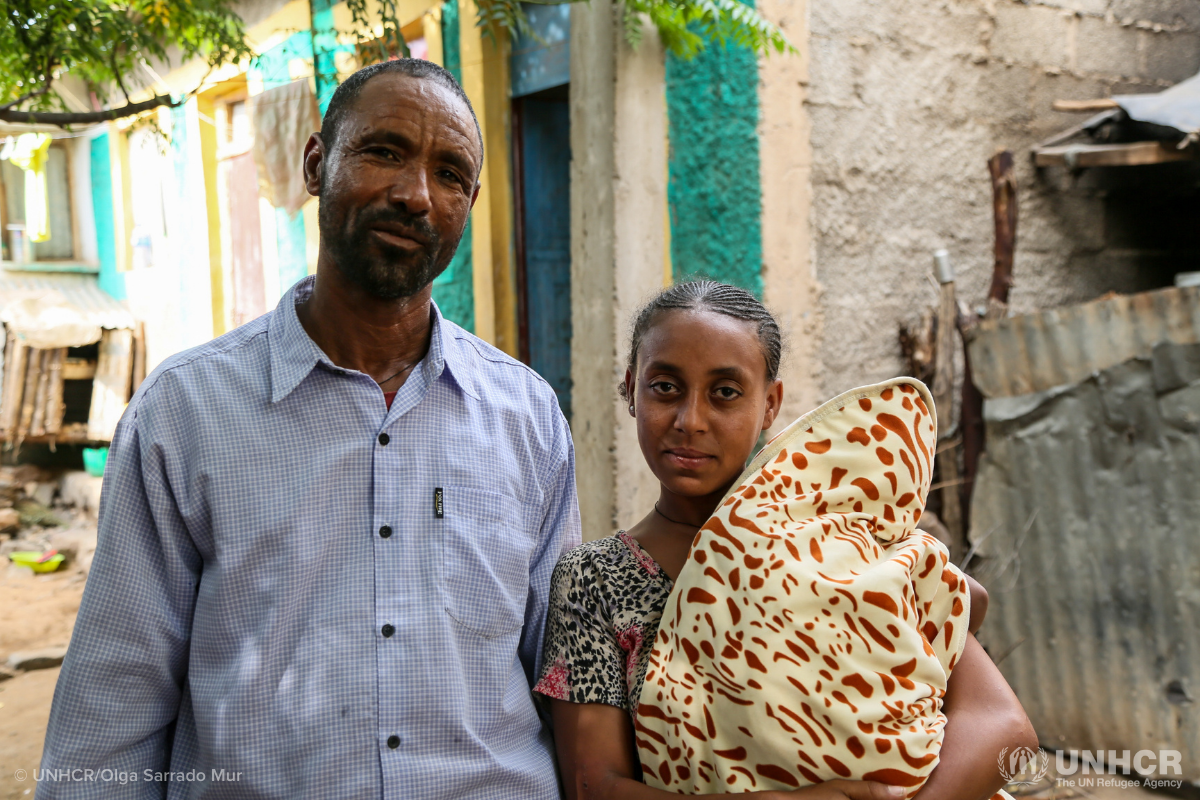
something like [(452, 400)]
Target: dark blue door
[(545, 164)]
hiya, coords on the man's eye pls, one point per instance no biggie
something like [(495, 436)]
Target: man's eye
[(382, 152)]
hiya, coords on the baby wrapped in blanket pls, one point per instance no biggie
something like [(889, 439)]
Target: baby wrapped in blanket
[(813, 629)]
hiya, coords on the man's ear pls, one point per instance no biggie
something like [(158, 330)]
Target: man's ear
[(774, 402), (475, 194), (314, 163)]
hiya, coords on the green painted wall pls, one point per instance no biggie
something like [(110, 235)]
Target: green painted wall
[(454, 290), (109, 279), (324, 47), (714, 192)]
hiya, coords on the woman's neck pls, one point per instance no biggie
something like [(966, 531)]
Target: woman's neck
[(682, 510)]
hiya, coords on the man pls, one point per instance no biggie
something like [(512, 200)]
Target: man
[(299, 591)]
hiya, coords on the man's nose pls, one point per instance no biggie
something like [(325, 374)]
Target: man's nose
[(411, 190)]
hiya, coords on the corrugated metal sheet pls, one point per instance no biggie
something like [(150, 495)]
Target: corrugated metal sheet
[(1062, 346), (1086, 512), (83, 292)]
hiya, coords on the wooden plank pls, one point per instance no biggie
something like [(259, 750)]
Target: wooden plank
[(55, 407), (1134, 154), (14, 389), (37, 426), (110, 387), (10, 399), (1088, 106), (78, 369), (33, 371), (71, 433)]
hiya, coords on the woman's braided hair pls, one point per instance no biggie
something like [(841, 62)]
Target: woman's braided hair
[(720, 298)]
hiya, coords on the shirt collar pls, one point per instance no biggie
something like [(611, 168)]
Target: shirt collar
[(293, 354)]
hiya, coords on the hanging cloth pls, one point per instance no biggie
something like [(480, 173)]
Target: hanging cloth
[(284, 118), (30, 153)]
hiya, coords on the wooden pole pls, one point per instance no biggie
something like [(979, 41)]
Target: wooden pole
[(1004, 208), (943, 400)]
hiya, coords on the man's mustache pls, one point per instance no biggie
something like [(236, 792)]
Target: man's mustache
[(397, 221)]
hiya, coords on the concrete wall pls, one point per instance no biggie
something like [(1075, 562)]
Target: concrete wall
[(909, 98), (618, 248)]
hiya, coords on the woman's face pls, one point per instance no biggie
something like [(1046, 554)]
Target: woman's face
[(701, 398)]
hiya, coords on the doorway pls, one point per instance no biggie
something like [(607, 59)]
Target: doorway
[(542, 166)]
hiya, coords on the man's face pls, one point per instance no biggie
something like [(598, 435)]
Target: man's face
[(397, 186)]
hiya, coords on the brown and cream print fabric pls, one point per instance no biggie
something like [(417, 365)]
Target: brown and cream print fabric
[(812, 631)]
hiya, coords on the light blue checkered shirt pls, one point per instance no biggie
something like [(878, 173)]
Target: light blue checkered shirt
[(235, 614)]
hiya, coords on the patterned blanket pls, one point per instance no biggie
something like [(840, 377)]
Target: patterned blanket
[(812, 631)]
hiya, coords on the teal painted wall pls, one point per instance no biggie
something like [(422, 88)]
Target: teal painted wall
[(272, 68), (714, 192), (454, 290), (324, 47), (110, 280)]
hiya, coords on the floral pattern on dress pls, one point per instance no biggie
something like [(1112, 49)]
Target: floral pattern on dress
[(556, 682), (606, 599)]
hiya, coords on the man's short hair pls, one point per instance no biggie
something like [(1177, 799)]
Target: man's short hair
[(343, 99)]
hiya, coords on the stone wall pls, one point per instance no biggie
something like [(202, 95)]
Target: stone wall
[(909, 98)]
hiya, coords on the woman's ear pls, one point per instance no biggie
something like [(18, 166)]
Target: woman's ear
[(774, 402), (630, 386)]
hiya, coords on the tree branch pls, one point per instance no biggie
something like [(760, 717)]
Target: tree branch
[(24, 97), (85, 117)]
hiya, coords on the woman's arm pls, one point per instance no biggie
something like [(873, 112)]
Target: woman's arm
[(979, 604), (598, 761), (983, 717)]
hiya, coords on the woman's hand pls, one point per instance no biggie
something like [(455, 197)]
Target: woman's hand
[(840, 790), (597, 758)]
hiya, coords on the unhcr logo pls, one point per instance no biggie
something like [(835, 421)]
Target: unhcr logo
[(1023, 766)]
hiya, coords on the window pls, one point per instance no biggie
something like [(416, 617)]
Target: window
[(61, 244)]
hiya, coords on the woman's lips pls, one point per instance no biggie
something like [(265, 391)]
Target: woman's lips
[(687, 458)]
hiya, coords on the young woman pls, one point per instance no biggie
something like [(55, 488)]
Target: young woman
[(702, 383)]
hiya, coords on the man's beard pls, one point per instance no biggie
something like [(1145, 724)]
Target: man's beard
[(380, 269)]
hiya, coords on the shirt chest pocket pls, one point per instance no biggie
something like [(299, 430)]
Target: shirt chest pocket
[(486, 549)]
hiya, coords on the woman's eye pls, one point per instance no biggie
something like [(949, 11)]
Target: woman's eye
[(727, 392), (662, 386)]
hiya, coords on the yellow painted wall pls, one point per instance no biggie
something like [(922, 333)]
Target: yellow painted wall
[(485, 78)]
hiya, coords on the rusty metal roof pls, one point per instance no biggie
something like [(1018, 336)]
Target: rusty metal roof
[(1060, 347), (83, 292), (1086, 513)]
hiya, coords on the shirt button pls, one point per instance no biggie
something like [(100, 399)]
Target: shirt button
[(385, 531), (393, 741), (387, 631), (384, 439)]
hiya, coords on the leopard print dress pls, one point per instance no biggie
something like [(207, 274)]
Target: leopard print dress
[(606, 599)]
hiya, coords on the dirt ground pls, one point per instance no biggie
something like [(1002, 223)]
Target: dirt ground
[(36, 611), (39, 611)]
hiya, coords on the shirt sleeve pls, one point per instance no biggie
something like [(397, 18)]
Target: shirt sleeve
[(119, 692), (560, 531), (583, 661), (943, 602)]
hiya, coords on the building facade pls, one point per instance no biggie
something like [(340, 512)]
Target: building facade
[(820, 180)]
